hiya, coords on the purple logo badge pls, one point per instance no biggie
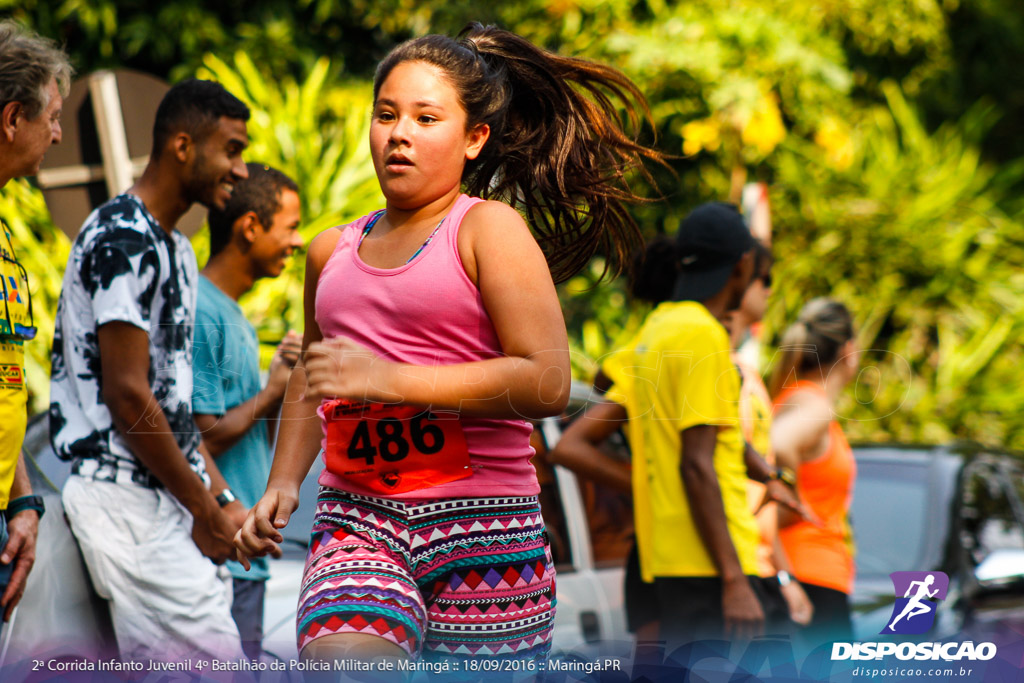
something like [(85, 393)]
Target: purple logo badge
[(916, 596)]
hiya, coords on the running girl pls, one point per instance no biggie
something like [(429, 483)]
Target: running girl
[(433, 333)]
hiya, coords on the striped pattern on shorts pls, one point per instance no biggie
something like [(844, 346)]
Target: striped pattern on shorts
[(451, 577)]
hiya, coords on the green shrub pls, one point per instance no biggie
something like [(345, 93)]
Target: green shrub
[(912, 237)]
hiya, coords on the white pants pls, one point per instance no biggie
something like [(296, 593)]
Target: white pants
[(168, 601)]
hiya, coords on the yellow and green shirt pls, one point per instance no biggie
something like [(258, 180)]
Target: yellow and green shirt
[(15, 320)]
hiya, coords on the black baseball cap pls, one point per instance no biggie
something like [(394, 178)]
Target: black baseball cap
[(710, 242)]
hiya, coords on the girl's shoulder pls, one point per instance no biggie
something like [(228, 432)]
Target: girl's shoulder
[(489, 221), (494, 232), (812, 403), (804, 411), (488, 214), (801, 424), (324, 244)]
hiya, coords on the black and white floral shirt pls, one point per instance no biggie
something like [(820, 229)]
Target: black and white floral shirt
[(123, 267)]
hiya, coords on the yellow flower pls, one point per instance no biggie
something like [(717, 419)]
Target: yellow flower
[(834, 136), (765, 129), (703, 134)]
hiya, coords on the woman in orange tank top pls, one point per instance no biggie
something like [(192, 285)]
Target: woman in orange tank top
[(819, 358)]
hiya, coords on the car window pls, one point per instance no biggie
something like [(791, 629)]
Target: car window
[(990, 512), (889, 516)]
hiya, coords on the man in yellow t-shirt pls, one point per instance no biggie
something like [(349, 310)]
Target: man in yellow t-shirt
[(696, 536), (33, 77)]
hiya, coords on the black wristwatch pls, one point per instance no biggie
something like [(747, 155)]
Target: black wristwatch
[(226, 497), (18, 505), (783, 474)]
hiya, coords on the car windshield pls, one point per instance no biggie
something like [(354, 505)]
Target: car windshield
[(992, 518), (889, 515)]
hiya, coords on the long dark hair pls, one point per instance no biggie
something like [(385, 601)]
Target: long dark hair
[(812, 342), (558, 150)]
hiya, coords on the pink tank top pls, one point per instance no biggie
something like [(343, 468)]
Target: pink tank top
[(426, 312)]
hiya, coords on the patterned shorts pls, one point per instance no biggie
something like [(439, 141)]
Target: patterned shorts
[(451, 577)]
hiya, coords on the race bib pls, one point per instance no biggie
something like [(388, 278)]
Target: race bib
[(393, 449)]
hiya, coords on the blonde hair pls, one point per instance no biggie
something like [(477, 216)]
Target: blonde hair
[(813, 342), (28, 62)]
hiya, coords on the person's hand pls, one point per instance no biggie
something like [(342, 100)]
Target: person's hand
[(285, 357), (290, 348), (212, 533), (776, 491), (741, 610), (23, 529), (237, 513), (341, 368), (800, 608), (260, 535)]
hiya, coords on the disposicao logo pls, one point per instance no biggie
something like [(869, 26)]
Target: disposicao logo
[(916, 593), (914, 613)]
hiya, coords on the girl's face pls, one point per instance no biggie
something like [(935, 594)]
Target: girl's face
[(418, 137)]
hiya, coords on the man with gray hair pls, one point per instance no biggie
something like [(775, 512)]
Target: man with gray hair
[(34, 77)]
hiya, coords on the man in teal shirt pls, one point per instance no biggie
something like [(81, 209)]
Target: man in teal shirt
[(250, 238)]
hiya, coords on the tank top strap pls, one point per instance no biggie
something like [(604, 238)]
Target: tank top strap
[(350, 233), (453, 222)]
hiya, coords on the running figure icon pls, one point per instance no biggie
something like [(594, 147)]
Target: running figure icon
[(921, 593), (916, 605)]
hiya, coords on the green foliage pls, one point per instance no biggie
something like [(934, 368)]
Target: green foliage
[(43, 249), (599, 316), (729, 82), (987, 48), (170, 39), (904, 41), (911, 237), (948, 53), (317, 133), (885, 204)]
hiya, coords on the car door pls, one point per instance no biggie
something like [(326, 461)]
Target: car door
[(590, 619)]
